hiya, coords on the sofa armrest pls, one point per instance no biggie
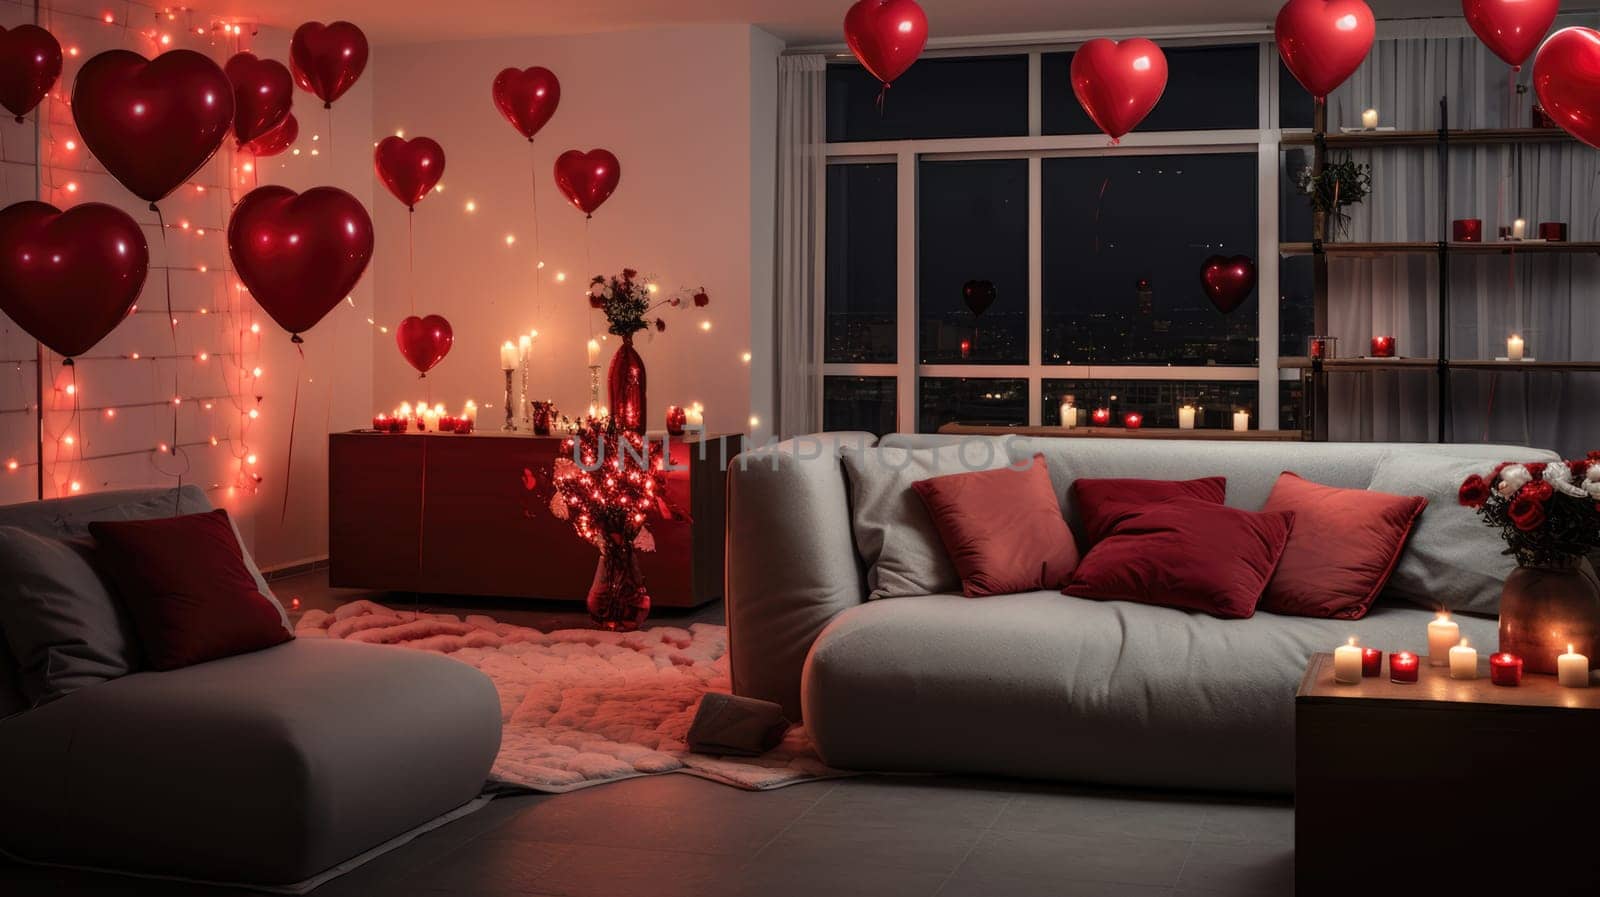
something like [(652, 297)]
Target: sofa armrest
[(791, 560)]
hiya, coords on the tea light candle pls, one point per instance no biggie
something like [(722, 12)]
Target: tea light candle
[(1133, 420), (1403, 667), (1443, 634), (1241, 421), (1572, 669), (470, 414), (1186, 417), (966, 348), (1519, 229), (1069, 415), (594, 353), (380, 422), (1371, 663), (1463, 661), (1101, 417), (430, 419), (1383, 347), (1369, 119), (508, 356), (1347, 663), (1514, 347), (695, 415), (1505, 669)]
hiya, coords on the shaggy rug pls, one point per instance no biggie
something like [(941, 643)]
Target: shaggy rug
[(583, 707)]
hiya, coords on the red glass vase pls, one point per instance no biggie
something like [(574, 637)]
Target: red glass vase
[(625, 383), (617, 598)]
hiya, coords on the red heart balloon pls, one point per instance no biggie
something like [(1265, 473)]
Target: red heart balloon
[(30, 62), (69, 278), (152, 122), (263, 91), (1118, 83), (409, 168), (587, 179), (1511, 28), (1323, 42), (527, 98), (327, 59), (1228, 281), (276, 140), (299, 254), (424, 341), (886, 35), (1566, 74)]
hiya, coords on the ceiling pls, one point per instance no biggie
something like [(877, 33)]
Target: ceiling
[(796, 21)]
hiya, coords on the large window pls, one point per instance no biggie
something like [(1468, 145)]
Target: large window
[(972, 262)]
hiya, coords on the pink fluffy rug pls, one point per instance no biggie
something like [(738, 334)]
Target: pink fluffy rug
[(583, 707)]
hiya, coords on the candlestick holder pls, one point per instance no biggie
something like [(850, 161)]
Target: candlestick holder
[(524, 412), (510, 424), (594, 386)]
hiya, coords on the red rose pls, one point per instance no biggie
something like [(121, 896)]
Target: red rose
[(596, 301), (629, 274), (660, 325), (1538, 491), (701, 300), (1527, 514), (1594, 456), (1536, 469), (1579, 469), (1474, 492)]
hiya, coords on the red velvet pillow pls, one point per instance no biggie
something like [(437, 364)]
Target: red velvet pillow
[(1100, 502), (1003, 529), (186, 588), (1185, 553), (1345, 544)]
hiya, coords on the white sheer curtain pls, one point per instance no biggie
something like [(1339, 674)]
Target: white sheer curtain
[(1548, 299), (801, 172)]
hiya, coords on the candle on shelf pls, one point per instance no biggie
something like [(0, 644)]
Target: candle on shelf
[(1505, 669), (966, 348), (1371, 663), (695, 415), (1369, 119), (508, 356), (380, 422), (1463, 661), (676, 419), (1553, 231), (1133, 420), (1241, 421), (1443, 634), (594, 352), (1515, 347), (470, 414), (1519, 229), (1069, 415), (1383, 347), (1572, 669), (1347, 663), (430, 419), (1101, 417), (524, 346), (1403, 666), (1186, 417), (1467, 230)]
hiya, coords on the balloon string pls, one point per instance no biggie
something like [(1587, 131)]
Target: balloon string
[(294, 416), (328, 108), (411, 257), (422, 504), (1100, 203), (538, 256), (883, 97), (172, 327)]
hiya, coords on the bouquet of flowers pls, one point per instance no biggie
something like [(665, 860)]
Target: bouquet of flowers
[(1548, 513), (629, 301)]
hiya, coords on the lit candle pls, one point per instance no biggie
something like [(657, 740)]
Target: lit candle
[(1463, 661), (524, 346), (380, 422), (1443, 634), (1572, 669), (404, 410), (1133, 420), (430, 419), (1069, 415), (1403, 667), (594, 353), (1369, 119), (1241, 421), (508, 356), (1514, 347), (1101, 416), (695, 415), (1347, 663), (1505, 669), (1371, 662), (470, 413), (1519, 229), (1383, 347), (1186, 417)]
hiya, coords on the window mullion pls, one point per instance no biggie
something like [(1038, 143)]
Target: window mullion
[(906, 291)]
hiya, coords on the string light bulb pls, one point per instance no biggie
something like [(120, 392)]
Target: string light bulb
[(12, 465), (472, 206), (75, 486), (511, 239)]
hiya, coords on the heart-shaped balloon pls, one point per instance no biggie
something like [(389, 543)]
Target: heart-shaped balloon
[(409, 168), (276, 140), (1566, 74), (424, 341), (263, 91), (1511, 28), (1118, 83), (886, 35), (587, 179), (1323, 42), (299, 254), (30, 62), (979, 296), (152, 122), (69, 278), (327, 59), (527, 98), (1228, 281)]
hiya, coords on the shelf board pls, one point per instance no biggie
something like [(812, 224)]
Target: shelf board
[(1465, 137), (1374, 365), (1213, 435), (1499, 247)]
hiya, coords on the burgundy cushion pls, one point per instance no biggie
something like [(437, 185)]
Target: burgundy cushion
[(186, 588), (1185, 553), (1100, 502), (1002, 528), (1345, 544)]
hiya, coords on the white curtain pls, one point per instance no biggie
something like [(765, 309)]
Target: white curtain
[(1549, 299), (801, 170)]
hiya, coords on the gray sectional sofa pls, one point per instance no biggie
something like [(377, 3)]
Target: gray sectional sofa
[(1049, 686), (268, 768)]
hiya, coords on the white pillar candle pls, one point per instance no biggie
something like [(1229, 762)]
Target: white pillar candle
[(594, 352), (1519, 229), (1572, 669), (471, 412), (695, 416), (1241, 421), (1069, 415), (524, 346), (430, 418), (1514, 347), (1463, 661), (1186, 417), (1369, 119), (1443, 634), (1347, 663), (508, 356)]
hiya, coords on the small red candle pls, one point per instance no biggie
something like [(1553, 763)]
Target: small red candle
[(966, 348), (1505, 669), (398, 424), (1371, 663), (1101, 416), (1133, 420), (676, 419), (1553, 231), (1383, 347), (1468, 230), (1402, 666), (380, 423)]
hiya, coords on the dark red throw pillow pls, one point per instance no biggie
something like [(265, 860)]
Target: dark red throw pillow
[(186, 588), (1185, 553), (1345, 544), (1100, 502), (1003, 529)]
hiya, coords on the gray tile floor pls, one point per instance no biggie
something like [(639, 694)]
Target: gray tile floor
[(674, 835)]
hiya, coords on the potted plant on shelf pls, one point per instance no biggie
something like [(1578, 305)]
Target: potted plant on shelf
[(628, 302), (1549, 516), (1343, 183)]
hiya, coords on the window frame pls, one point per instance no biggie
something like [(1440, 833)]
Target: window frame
[(1263, 141)]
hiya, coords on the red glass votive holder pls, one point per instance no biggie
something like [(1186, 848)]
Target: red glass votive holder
[(1553, 231), (1505, 669), (966, 348), (1467, 230), (1383, 347), (1403, 666), (1101, 417), (399, 424), (677, 419), (1371, 663), (1133, 420), (380, 423)]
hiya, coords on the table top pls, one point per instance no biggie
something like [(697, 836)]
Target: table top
[(1435, 689), (688, 438)]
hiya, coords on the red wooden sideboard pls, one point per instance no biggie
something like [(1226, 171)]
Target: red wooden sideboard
[(470, 515)]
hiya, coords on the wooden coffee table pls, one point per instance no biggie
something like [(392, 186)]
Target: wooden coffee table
[(1445, 785)]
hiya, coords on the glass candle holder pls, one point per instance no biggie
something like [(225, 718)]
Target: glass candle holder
[(1505, 669), (1133, 420), (1323, 348), (1101, 417), (1467, 230), (1403, 667), (1383, 347), (676, 419), (1371, 663)]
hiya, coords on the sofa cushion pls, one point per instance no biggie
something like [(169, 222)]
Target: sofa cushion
[(11, 699), (1101, 502), (1002, 529), (1185, 553), (1345, 544), (894, 534), (64, 629)]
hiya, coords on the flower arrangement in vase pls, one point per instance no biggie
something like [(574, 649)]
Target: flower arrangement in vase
[(1549, 515), (1342, 183), (628, 303)]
